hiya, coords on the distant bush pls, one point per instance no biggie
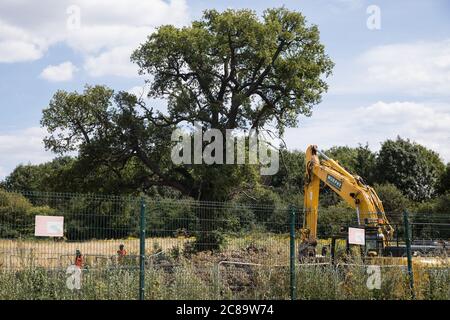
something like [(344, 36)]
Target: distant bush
[(436, 212), (333, 217), (17, 215), (411, 167), (394, 201)]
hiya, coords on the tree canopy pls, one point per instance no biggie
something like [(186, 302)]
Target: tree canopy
[(233, 70), (411, 167), (228, 70)]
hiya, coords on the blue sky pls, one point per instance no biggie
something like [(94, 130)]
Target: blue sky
[(387, 82)]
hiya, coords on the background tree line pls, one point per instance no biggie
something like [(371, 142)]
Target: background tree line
[(392, 171)]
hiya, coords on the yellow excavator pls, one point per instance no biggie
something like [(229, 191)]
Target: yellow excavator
[(353, 190)]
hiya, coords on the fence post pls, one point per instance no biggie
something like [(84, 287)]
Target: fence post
[(217, 280), (142, 251), (408, 252), (292, 253)]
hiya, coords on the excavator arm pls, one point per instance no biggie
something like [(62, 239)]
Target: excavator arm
[(351, 188)]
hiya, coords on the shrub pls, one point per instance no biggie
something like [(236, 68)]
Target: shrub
[(17, 215), (394, 201), (333, 217)]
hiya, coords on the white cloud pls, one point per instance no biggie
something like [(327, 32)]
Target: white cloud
[(16, 51), (114, 62), (417, 69), (425, 123), (24, 146), (61, 72), (412, 116), (17, 45), (142, 92), (106, 28)]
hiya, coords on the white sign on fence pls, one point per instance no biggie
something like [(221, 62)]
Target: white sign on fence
[(356, 236), (49, 226)]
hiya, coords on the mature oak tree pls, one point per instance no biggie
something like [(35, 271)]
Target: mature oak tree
[(229, 70)]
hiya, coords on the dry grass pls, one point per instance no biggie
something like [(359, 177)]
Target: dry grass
[(17, 254), (178, 275), (269, 249)]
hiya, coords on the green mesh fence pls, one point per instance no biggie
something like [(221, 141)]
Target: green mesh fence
[(193, 250)]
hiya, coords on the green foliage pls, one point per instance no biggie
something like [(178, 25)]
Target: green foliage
[(213, 70), (24, 178), (394, 201), (17, 215), (439, 205), (209, 240), (89, 217), (442, 203), (344, 155), (164, 215), (229, 70), (411, 167), (444, 183), (435, 211), (49, 176), (273, 193), (365, 164), (188, 281), (268, 208), (360, 161), (290, 176), (333, 217)]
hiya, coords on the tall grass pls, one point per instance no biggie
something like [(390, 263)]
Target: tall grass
[(185, 281)]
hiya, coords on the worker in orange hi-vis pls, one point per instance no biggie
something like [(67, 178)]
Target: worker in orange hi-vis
[(79, 261), (121, 253)]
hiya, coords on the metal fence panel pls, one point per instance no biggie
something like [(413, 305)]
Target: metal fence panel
[(197, 250)]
